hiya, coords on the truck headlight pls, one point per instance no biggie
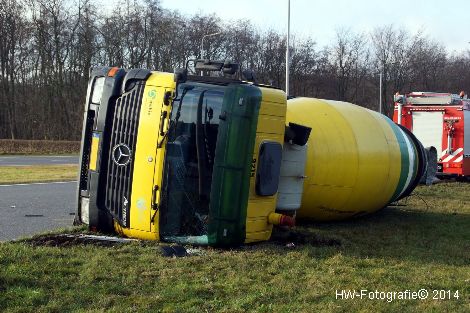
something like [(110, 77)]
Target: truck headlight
[(85, 210), (97, 90)]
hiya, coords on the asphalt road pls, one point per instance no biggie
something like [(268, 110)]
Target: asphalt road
[(27, 209), (24, 160)]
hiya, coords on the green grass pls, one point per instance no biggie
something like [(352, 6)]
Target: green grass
[(422, 245), (37, 173)]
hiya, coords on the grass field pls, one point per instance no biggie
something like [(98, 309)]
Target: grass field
[(38, 147), (424, 245), (37, 173)]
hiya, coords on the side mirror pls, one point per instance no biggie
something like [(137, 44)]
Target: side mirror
[(249, 75), (229, 68), (181, 75), (399, 98)]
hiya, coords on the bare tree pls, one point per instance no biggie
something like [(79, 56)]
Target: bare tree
[(349, 59), (48, 46)]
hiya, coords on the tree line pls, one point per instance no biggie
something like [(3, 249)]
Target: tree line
[(48, 46)]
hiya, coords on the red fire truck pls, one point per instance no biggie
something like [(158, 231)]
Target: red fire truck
[(438, 120)]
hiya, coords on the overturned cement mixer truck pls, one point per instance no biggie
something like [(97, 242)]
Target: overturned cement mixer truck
[(218, 161)]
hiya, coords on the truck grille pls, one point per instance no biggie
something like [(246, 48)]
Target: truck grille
[(123, 138)]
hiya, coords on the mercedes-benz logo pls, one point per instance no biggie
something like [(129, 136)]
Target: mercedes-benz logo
[(121, 154)]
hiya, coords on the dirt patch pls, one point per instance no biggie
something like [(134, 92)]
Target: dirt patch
[(287, 238), (292, 238), (68, 240)]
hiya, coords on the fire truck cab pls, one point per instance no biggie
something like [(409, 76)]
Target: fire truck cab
[(439, 120)]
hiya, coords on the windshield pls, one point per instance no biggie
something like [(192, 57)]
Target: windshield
[(192, 138)]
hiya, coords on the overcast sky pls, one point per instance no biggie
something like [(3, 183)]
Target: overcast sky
[(447, 22)]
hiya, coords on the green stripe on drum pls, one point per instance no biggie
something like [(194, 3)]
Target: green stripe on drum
[(405, 160), (415, 163), (412, 158)]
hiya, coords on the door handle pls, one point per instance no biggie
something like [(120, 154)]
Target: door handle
[(154, 198), (154, 203), (162, 122)]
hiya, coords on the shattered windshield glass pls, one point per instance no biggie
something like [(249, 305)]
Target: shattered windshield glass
[(189, 161)]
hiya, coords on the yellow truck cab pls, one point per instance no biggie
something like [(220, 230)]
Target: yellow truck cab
[(180, 158)]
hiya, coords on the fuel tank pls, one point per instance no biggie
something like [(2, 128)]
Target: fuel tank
[(358, 161)]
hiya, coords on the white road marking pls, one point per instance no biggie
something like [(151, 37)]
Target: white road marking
[(49, 183)]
